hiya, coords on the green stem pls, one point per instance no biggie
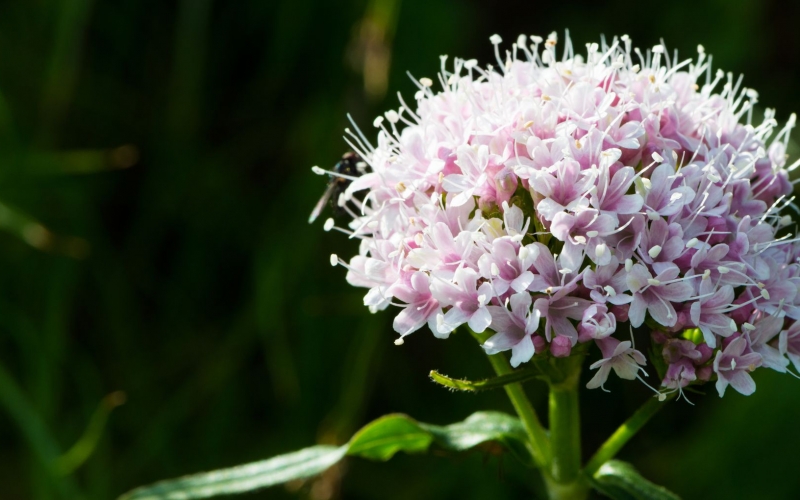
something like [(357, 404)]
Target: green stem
[(564, 479), (537, 435), (565, 433), (622, 435)]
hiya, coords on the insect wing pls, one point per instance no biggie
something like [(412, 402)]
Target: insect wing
[(322, 202)]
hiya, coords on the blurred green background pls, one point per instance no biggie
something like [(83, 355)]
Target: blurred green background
[(154, 189)]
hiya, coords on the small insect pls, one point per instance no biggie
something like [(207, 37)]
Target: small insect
[(344, 172)]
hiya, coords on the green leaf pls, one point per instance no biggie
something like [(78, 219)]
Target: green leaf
[(487, 384), (300, 464), (481, 428), (379, 440), (621, 481)]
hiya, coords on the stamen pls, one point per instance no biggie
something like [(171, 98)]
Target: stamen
[(360, 134), (654, 251), (600, 250)]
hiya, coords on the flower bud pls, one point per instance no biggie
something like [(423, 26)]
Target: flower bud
[(561, 346), (539, 343)]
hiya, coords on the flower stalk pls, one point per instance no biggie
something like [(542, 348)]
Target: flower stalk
[(558, 454), (623, 434), (563, 478), (539, 441), (565, 434), (557, 451)]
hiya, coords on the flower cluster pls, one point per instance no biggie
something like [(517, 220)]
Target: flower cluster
[(557, 201)]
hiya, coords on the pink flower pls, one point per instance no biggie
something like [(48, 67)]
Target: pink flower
[(561, 187), (664, 197), (761, 336), (619, 356), (421, 306), (608, 283), (468, 301), (596, 323), (473, 164), (656, 295), (557, 203), (789, 344), (512, 263), (514, 329), (733, 367), (679, 374), (710, 312)]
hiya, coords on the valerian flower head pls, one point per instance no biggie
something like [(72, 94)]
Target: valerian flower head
[(557, 200)]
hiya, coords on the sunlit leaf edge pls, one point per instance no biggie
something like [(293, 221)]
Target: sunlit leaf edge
[(621, 481), (378, 440)]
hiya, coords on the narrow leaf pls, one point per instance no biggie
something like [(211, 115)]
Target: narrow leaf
[(83, 449), (35, 432), (483, 385), (300, 464), (621, 481), (379, 440)]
